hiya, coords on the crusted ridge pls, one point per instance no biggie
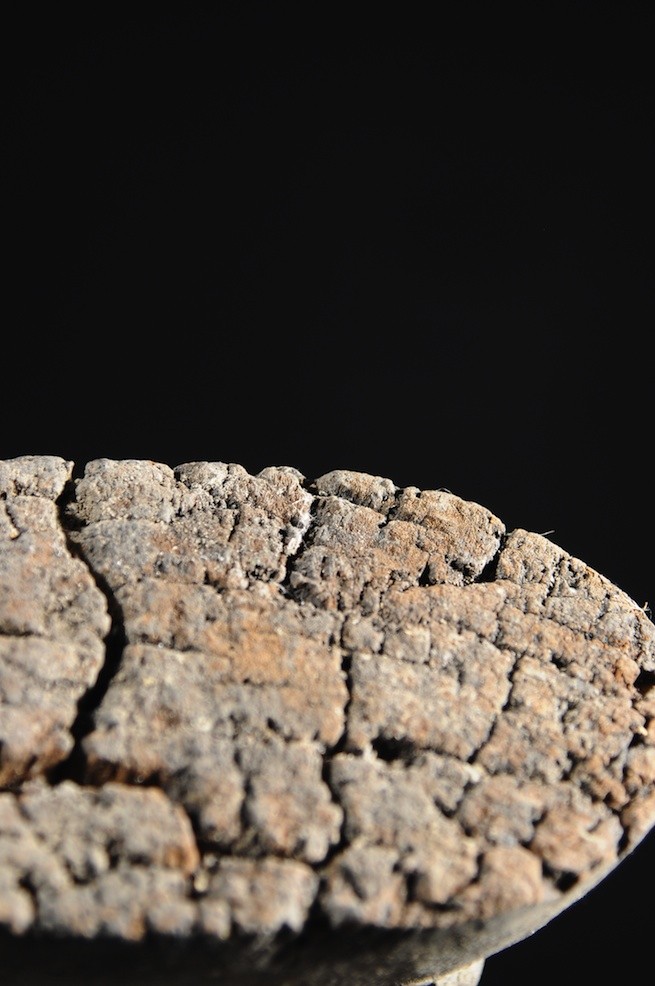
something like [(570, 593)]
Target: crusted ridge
[(375, 696)]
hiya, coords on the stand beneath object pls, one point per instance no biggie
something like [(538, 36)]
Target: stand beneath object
[(465, 976)]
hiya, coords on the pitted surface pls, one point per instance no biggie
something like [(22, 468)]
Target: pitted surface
[(334, 700)]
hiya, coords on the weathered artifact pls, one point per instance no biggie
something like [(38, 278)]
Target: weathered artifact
[(261, 730)]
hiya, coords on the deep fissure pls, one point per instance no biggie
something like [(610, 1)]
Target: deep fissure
[(490, 571), (507, 704), (73, 767), (292, 558), (328, 757)]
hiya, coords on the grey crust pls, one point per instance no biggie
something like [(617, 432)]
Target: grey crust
[(281, 731)]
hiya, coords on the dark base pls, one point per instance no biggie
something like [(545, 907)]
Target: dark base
[(370, 958)]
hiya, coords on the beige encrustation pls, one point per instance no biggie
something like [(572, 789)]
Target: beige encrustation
[(330, 722)]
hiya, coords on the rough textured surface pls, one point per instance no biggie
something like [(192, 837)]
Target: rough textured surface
[(323, 708), (468, 976), (52, 621)]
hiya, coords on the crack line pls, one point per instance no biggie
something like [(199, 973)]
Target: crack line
[(73, 767)]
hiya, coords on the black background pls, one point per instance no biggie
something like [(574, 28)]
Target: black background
[(364, 239)]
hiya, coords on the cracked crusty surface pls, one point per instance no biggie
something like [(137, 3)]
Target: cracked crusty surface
[(237, 705)]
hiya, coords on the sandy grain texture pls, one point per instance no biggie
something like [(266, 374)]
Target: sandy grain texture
[(329, 725)]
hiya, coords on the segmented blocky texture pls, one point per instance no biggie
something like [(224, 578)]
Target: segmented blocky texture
[(242, 707)]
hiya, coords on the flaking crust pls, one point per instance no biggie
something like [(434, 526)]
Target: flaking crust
[(334, 697)]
